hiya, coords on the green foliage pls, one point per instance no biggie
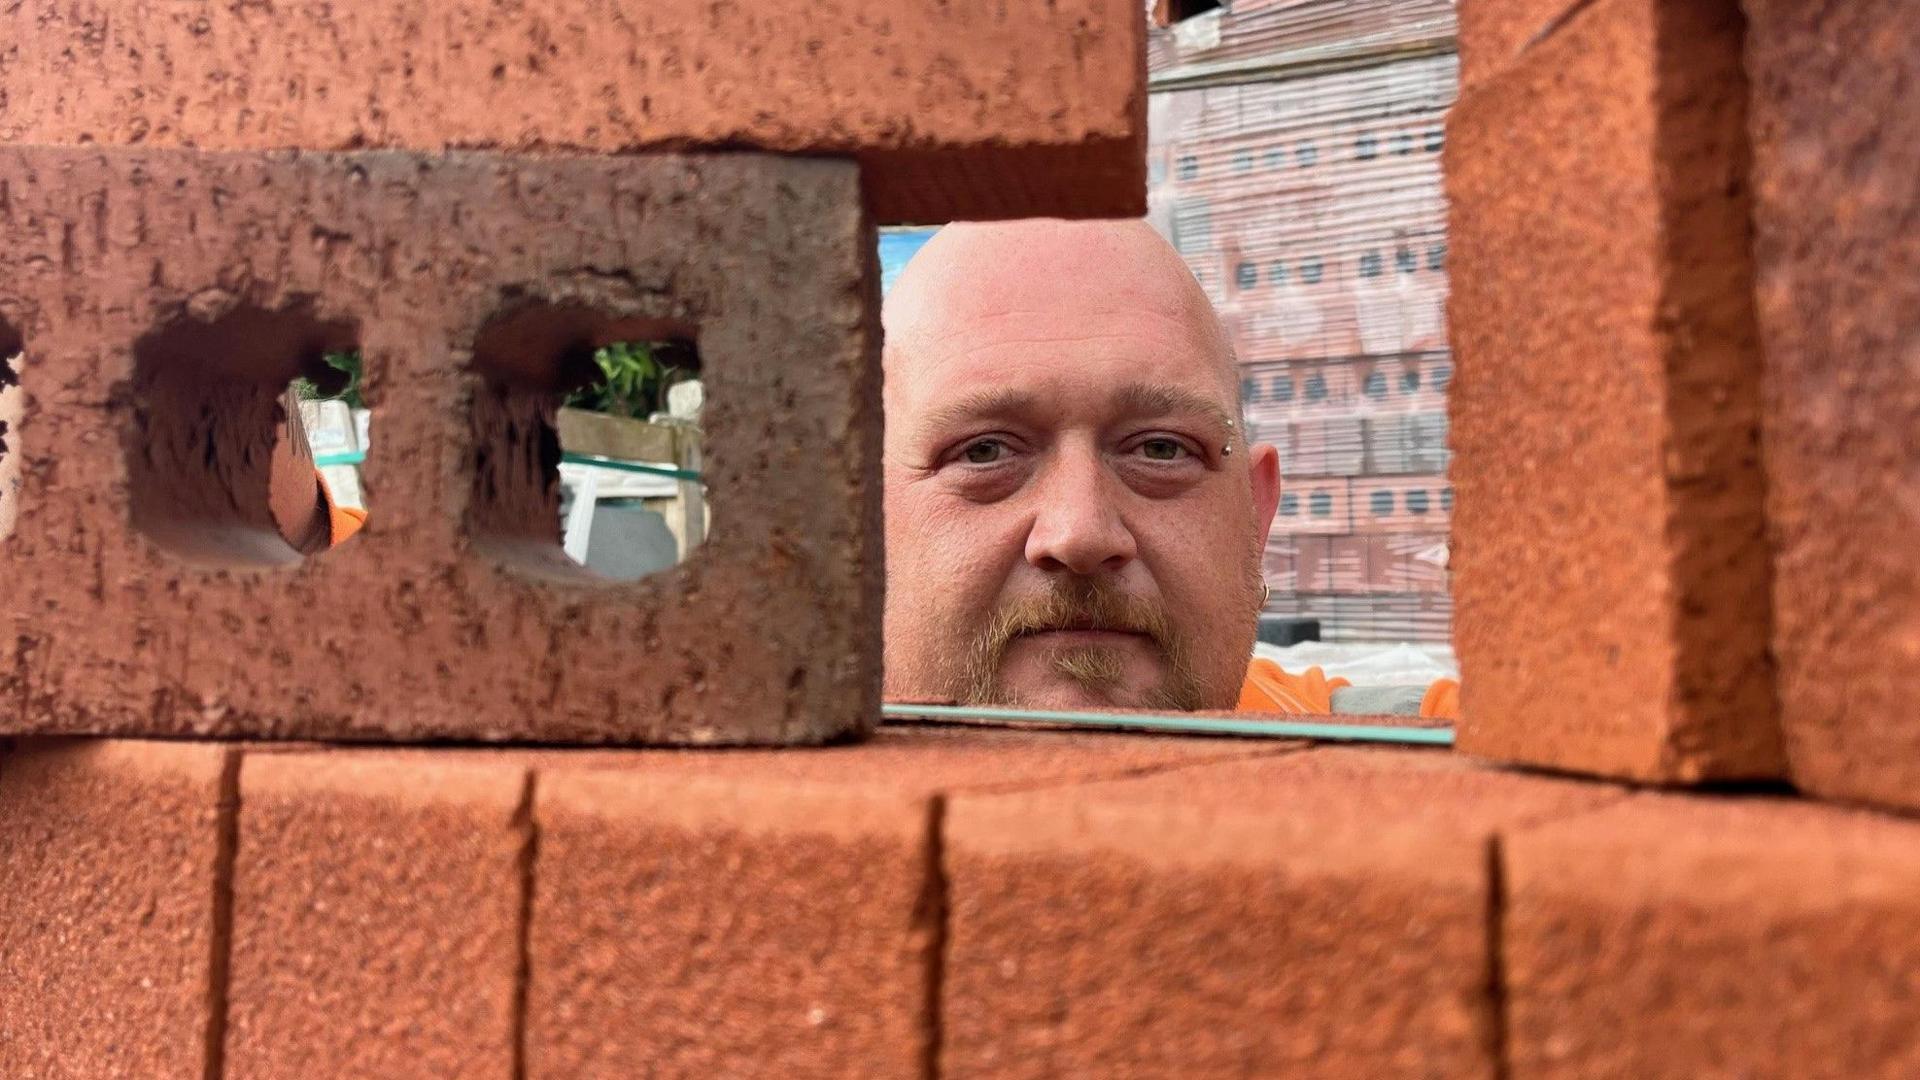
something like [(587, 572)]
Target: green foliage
[(633, 382), (348, 364)]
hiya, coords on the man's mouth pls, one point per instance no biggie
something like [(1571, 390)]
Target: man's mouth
[(1081, 634)]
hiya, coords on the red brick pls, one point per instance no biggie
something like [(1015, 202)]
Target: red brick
[(1609, 556), (454, 614), (1688, 937), (1836, 148), (1414, 442), (1315, 914), (112, 862), (1411, 504), (1312, 563), (765, 914), (1325, 447), (964, 110), (1401, 562), (378, 902), (1346, 564), (1494, 33), (1314, 507)]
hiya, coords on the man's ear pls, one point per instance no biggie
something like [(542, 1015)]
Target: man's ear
[(1263, 465)]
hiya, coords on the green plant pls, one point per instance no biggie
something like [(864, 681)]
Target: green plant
[(633, 381), (348, 364)]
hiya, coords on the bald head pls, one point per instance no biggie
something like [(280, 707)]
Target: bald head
[(1044, 270), (1074, 517)]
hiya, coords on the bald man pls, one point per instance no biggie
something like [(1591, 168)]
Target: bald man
[(1075, 517)]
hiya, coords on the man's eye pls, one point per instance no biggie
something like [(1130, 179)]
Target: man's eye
[(1163, 449), (984, 451)]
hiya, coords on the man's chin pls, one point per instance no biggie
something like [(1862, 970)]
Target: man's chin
[(1053, 691), (1052, 673), (1070, 697)]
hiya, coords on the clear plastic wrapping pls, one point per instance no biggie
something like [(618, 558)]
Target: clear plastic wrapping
[(1310, 206)]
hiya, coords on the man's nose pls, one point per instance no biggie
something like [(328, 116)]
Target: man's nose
[(1077, 527)]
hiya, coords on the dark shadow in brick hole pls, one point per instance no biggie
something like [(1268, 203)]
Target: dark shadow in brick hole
[(216, 479), (532, 360), (12, 404)]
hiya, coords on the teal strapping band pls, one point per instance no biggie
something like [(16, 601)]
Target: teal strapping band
[(358, 457), (1189, 725)]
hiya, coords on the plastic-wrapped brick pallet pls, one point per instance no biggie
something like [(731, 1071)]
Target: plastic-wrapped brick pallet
[(1294, 160)]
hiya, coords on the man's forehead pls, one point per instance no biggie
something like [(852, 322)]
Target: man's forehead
[(1070, 362), (1052, 307)]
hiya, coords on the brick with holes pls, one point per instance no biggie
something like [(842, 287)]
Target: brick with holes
[(1609, 561), (1316, 914), (955, 110), (113, 863), (1836, 148), (167, 297)]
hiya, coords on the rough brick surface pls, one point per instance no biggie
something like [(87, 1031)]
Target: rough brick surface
[(1493, 33), (166, 297), (1669, 937), (110, 910), (957, 110), (765, 914), (378, 902), (1315, 914), (1837, 247), (1610, 567)]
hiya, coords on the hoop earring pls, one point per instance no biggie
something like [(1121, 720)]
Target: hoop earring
[(1266, 594)]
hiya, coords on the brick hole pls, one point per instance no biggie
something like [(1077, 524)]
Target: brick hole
[(12, 406), (611, 375), (220, 469)]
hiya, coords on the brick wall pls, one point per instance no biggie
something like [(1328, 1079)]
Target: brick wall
[(936, 903)]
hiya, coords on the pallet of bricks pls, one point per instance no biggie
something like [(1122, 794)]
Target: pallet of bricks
[(1294, 160), (1676, 838)]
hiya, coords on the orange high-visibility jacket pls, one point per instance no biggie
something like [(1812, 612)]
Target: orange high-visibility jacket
[(1271, 689), (342, 521)]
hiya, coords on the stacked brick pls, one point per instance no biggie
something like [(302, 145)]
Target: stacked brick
[(198, 236), (933, 904), (942, 903), (1294, 161), (1686, 409), (1611, 567), (1835, 148), (954, 111)]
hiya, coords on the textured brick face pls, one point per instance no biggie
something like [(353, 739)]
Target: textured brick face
[(167, 296), (1670, 937), (1609, 563), (111, 862), (692, 929), (764, 914), (1836, 150), (1321, 914), (378, 902), (1494, 32), (976, 108)]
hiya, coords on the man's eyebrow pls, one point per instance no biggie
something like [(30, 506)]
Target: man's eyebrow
[(1148, 399), (979, 404)]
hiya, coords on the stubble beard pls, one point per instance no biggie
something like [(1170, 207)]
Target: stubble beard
[(1081, 604)]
